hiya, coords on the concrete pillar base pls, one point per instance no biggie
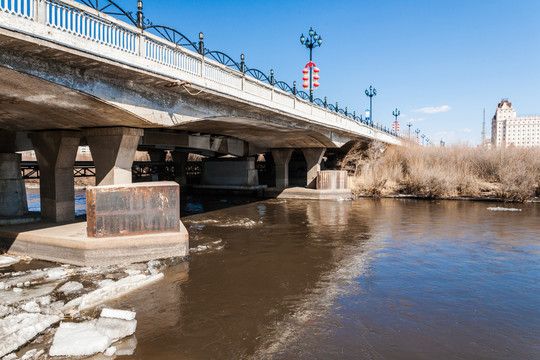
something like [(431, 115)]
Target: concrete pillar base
[(55, 153), (12, 190), (313, 160), (113, 150), (281, 159)]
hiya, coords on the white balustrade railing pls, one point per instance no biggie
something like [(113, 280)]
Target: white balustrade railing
[(22, 8), (83, 22), (171, 57), (88, 26), (222, 76)]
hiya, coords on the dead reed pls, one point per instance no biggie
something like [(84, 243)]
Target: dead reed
[(511, 174)]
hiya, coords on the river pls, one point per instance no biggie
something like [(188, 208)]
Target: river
[(364, 279)]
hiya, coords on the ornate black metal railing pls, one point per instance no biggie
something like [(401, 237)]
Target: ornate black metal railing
[(174, 36)]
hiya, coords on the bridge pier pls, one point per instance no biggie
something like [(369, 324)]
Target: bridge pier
[(12, 190), (180, 159), (55, 153), (113, 150), (281, 160), (313, 160)]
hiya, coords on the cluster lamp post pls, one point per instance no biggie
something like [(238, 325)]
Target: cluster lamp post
[(423, 136), (409, 124), (313, 40), (371, 93), (395, 125), (417, 131)]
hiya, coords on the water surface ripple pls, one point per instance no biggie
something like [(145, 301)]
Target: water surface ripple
[(365, 279)]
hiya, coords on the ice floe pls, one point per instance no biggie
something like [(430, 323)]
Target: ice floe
[(16, 330), (116, 289), (94, 336), (32, 301), (118, 314), (502, 209), (7, 260), (71, 287), (79, 339)]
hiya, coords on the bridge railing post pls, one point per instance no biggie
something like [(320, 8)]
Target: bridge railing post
[(140, 45), (40, 11)]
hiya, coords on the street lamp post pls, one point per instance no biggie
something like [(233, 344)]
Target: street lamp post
[(409, 125), (417, 131), (423, 136), (313, 40), (395, 127), (371, 93)]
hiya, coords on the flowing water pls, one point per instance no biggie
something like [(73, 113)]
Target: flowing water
[(364, 279)]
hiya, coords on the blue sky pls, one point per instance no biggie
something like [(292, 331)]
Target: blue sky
[(439, 62)]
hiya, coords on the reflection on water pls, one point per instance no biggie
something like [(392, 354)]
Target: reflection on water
[(388, 279), (34, 203)]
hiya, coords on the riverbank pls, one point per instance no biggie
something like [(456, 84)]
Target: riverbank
[(459, 172)]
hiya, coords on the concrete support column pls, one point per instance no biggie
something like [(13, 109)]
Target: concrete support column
[(113, 150), (180, 161), (313, 160), (12, 189), (281, 159), (55, 153)]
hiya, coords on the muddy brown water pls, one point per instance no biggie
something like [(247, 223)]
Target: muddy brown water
[(364, 279)]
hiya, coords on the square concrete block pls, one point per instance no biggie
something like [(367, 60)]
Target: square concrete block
[(332, 180), (133, 209)]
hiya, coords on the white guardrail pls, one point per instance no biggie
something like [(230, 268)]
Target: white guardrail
[(80, 27)]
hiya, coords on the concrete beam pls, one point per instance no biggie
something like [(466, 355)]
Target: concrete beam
[(313, 160), (12, 190), (281, 159), (55, 153), (113, 150)]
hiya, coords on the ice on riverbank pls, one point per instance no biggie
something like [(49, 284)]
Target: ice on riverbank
[(17, 330), (118, 314), (32, 301), (502, 209), (116, 289), (92, 337), (71, 287), (7, 260), (79, 339)]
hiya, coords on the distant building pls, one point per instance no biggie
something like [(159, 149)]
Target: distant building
[(508, 129)]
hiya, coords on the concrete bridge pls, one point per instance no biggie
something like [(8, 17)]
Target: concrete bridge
[(73, 75)]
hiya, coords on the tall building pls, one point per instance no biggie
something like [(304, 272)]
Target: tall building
[(508, 129)]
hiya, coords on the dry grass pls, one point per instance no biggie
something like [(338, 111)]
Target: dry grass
[(511, 174)]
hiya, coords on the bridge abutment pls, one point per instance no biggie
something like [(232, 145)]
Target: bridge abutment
[(55, 153), (113, 150), (313, 161), (281, 160)]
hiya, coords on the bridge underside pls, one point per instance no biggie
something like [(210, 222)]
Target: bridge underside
[(54, 98)]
